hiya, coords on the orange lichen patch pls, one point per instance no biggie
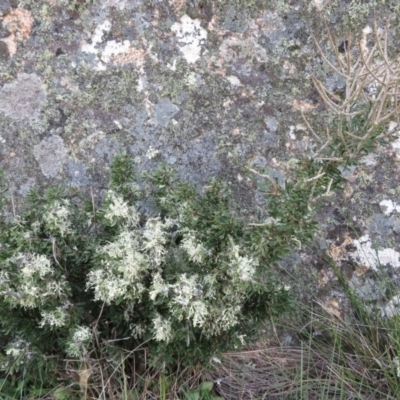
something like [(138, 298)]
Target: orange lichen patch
[(19, 22), (156, 17), (289, 68), (176, 4), (332, 307), (216, 66), (339, 253), (236, 131), (323, 278), (11, 43), (361, 270), (213, 26), (301, 105), (348, 190), (133, 56)]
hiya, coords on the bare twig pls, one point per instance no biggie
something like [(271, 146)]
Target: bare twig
[(261, 175)]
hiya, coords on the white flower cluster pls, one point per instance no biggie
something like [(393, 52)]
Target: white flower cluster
[(121, 269), (159, 287), (162, 329), (155, 238), (242, 267), (119, 209), (188, 294), (16, 349), (211, 302), (196, 251), (34, 284), (125, 261), (34, 264), (194, 299), (55, 318), (81, 338), (151, 153), (222, 319), (137, 330), (58, 217), (18, 352)]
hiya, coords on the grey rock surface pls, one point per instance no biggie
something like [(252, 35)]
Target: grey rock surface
[(22, 98), (50, 154), (208, 87)]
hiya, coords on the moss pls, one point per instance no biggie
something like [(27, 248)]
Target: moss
[(172, 82)]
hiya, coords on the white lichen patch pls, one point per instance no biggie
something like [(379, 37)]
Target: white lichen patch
[(113, 49), (118, 4), (112, 52), (388, 206), (392, 308), (151, 153), (23, 98), (371, 258), (96, 38), (234, 80), (291, 132), (50, 154), (319, 4), (191, 37)]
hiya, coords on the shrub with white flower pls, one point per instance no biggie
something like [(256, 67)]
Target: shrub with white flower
[(58, 217), (162, 329), (184, 279), (196, 250), (55, 318), (79, 342), (241, 267), (117, 210), (29, 281), (17, 354), (154, 235), (121, 267), (187, 300), (159, 287)]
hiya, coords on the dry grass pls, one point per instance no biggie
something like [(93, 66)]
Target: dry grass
[(346, 365), (126, 376), (370, 99)]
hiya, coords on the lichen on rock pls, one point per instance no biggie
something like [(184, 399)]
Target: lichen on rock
[(50, 154), (23, 98)]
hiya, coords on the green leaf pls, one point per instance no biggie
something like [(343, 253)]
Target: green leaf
[(193, 395), (206, 386), (62, 393)]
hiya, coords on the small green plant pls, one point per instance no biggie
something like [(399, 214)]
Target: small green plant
[(203, 392), (189, 279)]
